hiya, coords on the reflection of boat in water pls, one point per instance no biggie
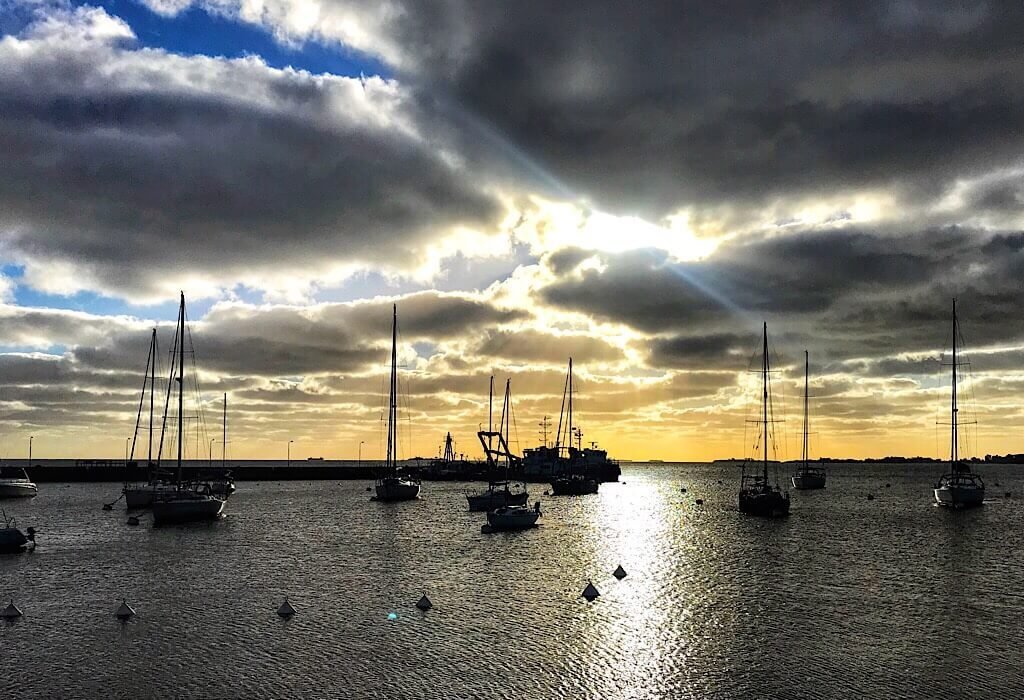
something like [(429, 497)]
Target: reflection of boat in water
[(191, 501), (14, 483), (806, 476), (960, 487), (13, 540), (394, 484), (759, 495), (501, 490)]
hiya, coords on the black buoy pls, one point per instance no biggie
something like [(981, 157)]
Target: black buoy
[(871, 497), (286, 610), (699, 501), (682, 490), (11, 611), (132, 520), (619, 572), (888, 486), (424, 603), (107, 506), (1007, 494), (124, 611), (590, 592)]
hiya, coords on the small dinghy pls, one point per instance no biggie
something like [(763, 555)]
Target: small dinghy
[(13, 540)]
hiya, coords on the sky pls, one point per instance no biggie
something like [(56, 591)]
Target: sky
[(636, 185)]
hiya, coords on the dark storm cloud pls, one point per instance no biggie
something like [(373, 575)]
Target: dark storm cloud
[(841, 293), (135, 165)]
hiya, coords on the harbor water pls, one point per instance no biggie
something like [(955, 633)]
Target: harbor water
[(848, 597)]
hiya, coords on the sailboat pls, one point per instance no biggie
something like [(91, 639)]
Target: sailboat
[(188, 502), (393, 484), (758, 495), (14, 483), (512, 513), (222, 481), (959, 487), (139, 496), (572, 478), (807, 477), (501, 491)]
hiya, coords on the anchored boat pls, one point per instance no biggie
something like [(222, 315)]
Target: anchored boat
[(758, 494), (13, 540), (501, 491), (14, 483), (393, 484), (807, 477), (571, 476), (188, 501), (960, 487)]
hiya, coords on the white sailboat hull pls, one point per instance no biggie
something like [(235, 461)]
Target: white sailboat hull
[(17, 489), (953, 496), (142, 495)]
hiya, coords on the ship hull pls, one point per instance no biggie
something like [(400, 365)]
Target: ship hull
[(12, 540), (18, 489), (514, 518), (186, 510), (959, 496), (806, 482), (765, 504), (142, 496), (394, 490), (573, 487)]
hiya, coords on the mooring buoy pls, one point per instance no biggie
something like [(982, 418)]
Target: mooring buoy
[(871, 496), (11, 611), (424, 603), (619, 572), (286, 610), (124, 611), (132, 521), (699, 501), (107, 506), (590, 592), (682, 490), (1007, 494)]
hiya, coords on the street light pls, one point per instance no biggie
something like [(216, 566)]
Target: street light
[(290, 453), (126, 441), (359, 463), (30, 439), (212, 440)]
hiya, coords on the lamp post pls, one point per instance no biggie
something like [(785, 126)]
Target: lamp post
[(290, 453), (30, 439), (359, 460), (212, 440), (126, 441)]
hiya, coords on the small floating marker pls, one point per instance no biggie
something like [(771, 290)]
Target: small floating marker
[(871, 496), (719, 481), (699, 501), (682, 490), (392, 616), (888, 486), (286, 610), (107, 506), (124, 611), (590, 592), (132, 521), (1007, 494), (619, 572), (424, 603), (368, 489), (11, 611)]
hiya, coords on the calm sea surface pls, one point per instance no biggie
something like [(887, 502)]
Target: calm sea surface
[(889, 598)]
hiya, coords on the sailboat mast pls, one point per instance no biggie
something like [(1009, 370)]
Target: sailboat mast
[(807, 365), (224, 433), (953, 409), (569, 432), (181, 381), (392, 406), (490, 413), (506, 420), (152, 391), (764, 397)]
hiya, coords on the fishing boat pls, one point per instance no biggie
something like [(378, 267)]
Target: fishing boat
[(14, 483), (13, 540), (394, 484), (806, 476), (960, 487), (189, 501), (758, 494), (571, 476), (501, 491)]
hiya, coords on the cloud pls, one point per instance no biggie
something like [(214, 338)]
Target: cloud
[(135, 172)]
